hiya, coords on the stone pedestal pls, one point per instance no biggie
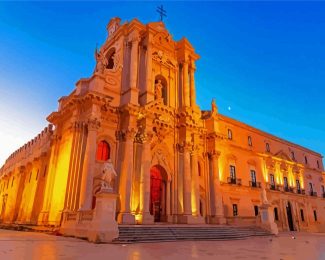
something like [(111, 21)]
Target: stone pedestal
[(104, 228), (126, 218), (190, 219), (146, 218), (267, 219)]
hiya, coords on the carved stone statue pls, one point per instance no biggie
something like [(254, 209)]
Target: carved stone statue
[(101, 61), (214, 108), (107, 176), (158, 90)]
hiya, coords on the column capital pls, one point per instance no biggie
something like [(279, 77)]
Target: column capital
[(214, 154), (126, 135), (145, 137), (93, 124)]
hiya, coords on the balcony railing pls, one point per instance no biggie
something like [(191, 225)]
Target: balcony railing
[(233, 181), (313, 193), (288, 189), (272, 186), (300, 191), (255, 184)]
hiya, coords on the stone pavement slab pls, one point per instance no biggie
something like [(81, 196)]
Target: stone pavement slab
[(15, 245)]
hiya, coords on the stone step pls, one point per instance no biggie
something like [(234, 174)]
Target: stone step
[(135, 234)]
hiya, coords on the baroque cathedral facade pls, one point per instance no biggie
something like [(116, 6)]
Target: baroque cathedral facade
[(174, 163)]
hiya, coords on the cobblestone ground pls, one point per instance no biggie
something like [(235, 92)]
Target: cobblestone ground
[(28, 245)]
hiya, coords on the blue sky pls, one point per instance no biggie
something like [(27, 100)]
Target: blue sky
[(265, 60)]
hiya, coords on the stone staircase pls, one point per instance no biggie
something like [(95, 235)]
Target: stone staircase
[(160, 233)]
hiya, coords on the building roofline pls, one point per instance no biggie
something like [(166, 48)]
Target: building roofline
[(271, 136)]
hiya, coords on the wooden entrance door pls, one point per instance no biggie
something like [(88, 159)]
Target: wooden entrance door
[(157, 193)]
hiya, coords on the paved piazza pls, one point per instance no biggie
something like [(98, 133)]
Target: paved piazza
[(28, 245)]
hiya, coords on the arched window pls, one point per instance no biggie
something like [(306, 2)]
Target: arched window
[(103, 151), (267, 147), (229, 134), (250, 141)]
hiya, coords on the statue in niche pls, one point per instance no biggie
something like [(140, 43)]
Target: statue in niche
[(214, 108), (101, 61), (158, 89), (107, 176)]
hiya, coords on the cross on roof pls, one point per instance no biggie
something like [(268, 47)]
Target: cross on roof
[(161, 11)]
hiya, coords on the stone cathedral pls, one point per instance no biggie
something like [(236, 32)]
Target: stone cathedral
[(168, 161)]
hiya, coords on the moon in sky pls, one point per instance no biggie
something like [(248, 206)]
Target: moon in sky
[(229, 108)]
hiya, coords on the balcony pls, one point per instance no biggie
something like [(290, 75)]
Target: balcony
[(288, 189), (255, 184), (272, 186), (313, 193), (233, 181), (300, 191)]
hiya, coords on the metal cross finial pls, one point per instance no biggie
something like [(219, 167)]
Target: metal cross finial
[(161, 11)]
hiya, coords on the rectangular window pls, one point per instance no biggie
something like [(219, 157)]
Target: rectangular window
[(12, 182), (315, 215), (285, 182), (276, 216), (250, 141), (234, 210), (253, 176), (302, 215), (30, 176), (37, 175), (256, 210), (272, 179), (311, 187), (232, 172), (323, 189), (298, 185)]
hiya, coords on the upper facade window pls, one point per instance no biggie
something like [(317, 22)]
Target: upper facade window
[(103, 151), (249, 141), (229, 134), (267, 147), (306, 160), (318, 166), (293, 155)]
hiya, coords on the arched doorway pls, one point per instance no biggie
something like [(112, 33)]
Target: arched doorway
[(158, 179), (289, 216)]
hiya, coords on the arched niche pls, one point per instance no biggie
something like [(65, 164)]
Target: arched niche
[(161, 91), (110, 55)]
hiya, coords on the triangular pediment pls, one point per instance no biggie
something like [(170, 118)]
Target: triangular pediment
[(282, 155)]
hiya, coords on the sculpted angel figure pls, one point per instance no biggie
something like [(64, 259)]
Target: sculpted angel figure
[(214, 108), (101, 61)]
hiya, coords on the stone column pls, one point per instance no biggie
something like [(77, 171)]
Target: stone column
[(126, 175), (89, 166), (218, 203), (192, 84), (146, 218), (134, 60), (186, 89), (168, 197), (195, 184), (187, 181), (149, 85)]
